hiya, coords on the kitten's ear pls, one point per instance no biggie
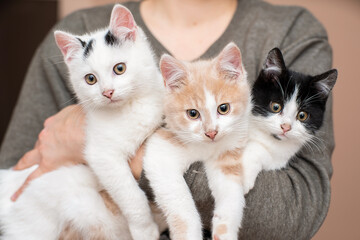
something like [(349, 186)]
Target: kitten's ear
[(325, 82), (173, 72), (229, 62), (122, 23), (68, 44), (274, 63)]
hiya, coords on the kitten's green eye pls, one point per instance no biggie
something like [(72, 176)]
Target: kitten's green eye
[(302, 116), (223, 108), (193, 114), (119, 68), (90, 79), (275, 107)]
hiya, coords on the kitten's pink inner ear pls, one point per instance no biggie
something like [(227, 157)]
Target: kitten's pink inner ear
[(122, 23), (172, 71), (230, 61), (67, 43)]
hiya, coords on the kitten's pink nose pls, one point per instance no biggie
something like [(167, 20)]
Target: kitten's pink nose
[(285, 127), (108, 93), (211, 134)]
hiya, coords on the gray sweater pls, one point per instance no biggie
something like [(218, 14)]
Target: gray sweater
[(287, 204)]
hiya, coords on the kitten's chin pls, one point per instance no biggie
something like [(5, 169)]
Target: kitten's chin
[(280, 137), (113, 103)]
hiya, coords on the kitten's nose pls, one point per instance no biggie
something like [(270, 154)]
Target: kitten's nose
[(211, 134), (108, 93), (285, 127)]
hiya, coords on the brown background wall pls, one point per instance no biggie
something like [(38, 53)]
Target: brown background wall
[(340, 17)]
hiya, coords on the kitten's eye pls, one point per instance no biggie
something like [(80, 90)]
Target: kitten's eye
[(223, 108), (193, 114), (275, 107), (302, 116), (119, 68), (90, 79)]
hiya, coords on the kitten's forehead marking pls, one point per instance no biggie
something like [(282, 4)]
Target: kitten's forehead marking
[(110, 39), (82, 42), (210, 104), (88, 48), (290, 108)]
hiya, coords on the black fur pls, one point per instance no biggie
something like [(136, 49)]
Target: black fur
[(110, 39), (276, 83), (88, 48), (82, 42)]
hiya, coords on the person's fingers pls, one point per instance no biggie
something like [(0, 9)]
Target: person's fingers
[(29, 159), (48, 121), (136, 162), (35, 174), (37, 144)]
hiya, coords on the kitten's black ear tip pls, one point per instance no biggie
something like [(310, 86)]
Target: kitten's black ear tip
[(331, 75), (326, 81), (334, 72), (275, 51), (274, 61)]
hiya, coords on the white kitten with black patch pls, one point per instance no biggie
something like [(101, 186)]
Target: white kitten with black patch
[(288, 110), (115, 77), (123, 106)]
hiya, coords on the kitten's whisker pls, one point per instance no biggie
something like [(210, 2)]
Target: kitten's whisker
[(311, 99), (287, 85), (70, 100), (282, 90)]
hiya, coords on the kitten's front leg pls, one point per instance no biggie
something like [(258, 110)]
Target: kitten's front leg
[(114, 174), (174, 198), (165, 169), (225, 181), (254, 156)]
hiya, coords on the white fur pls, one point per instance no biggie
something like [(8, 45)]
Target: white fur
[(65, 196), (115, 129), (166, 162), (273, 68)]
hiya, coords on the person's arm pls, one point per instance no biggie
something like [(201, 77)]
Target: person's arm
[(290, 203)]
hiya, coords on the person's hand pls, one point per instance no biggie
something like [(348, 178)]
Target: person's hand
[(136, 162), (59, 144)]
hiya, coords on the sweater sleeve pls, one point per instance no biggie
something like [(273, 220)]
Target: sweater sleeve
[(290, 203), (44, 93)]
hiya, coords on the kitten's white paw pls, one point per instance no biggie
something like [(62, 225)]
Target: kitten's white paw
[(248, 185), (224, 237), (151, 232), (221, 232)]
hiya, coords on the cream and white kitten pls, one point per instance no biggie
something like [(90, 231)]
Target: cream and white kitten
[(115, 77), (207, 106)]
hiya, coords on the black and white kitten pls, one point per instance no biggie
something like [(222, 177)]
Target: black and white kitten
[(288, 109)]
